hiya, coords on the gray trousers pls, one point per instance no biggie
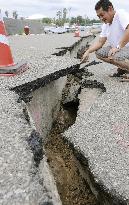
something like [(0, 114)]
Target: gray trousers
[(121, 55)]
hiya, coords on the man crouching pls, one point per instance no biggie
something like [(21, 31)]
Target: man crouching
[(115, 31)]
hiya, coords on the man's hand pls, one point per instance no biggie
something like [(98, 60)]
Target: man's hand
[(112, 52), (85, 57)]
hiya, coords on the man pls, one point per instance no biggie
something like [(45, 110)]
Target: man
[(115, 31)]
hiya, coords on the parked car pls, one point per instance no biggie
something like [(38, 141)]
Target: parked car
[(82, 28), (58, 30)]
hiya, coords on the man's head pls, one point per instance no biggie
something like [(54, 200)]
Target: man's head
[(105, 11)]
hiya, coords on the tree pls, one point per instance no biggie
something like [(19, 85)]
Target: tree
[(95, 21), (59, 20), (64, 19), (73, 20), (47, 20), (59, 14), (80, 20), (6, 13), (15, 14), (65, 13)]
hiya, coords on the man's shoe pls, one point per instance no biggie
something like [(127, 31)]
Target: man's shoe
[(115, 75), (125, 78), (119, 73)]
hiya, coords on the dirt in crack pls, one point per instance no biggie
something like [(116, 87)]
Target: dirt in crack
[(72, 187)]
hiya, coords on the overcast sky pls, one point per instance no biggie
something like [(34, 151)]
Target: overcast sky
[(49, 8)]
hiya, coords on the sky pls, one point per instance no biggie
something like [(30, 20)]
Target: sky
[(49, 8)]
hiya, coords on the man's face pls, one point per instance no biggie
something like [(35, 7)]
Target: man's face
[(105, 16)]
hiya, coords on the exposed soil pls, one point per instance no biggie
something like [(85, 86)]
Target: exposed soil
[(72, 187)]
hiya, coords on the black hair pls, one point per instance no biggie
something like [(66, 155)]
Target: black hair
[(104, 4)]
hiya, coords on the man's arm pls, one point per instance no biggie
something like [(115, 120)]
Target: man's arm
[(97, 44), (93, 48), (125, 38)]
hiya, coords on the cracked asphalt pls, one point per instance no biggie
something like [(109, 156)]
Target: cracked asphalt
[(20, 181), (101, 132)]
